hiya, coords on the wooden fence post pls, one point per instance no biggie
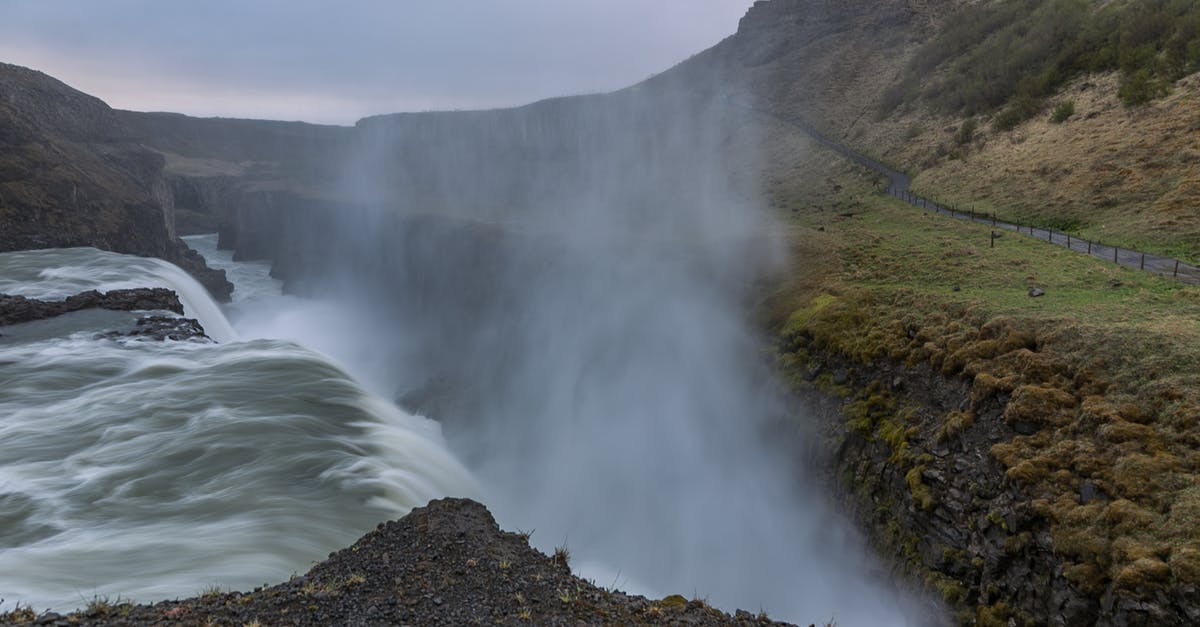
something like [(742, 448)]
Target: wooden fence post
[(1176, 268), (1142, 264), (1115, 251)]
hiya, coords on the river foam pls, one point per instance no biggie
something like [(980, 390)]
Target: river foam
[(146, 470)]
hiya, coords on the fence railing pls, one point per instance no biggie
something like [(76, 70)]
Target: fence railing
[(899, 184), (1149, 262)]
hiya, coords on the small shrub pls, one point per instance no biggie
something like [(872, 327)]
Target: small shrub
[(966, 132), (1064, 110), (1020, 109), (1139, 88)]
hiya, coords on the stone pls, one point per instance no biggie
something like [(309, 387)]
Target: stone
[(1088, 492), (1025, 427), (17, 309), (1035, 292), (163, 328)]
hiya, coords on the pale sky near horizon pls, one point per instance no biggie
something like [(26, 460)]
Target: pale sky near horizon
[(335, 62)]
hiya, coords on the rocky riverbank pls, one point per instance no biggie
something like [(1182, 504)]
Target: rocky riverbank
[(444, 564)]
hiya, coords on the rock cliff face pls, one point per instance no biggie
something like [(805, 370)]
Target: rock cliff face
[(71, 175)]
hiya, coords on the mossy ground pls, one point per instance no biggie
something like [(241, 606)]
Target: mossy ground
[(1102, 373)]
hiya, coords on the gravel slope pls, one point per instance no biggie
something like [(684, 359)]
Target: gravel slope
[(447, 563)]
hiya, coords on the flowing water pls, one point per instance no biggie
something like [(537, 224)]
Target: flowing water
[(144, 470)]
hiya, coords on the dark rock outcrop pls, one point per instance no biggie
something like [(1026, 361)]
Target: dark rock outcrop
[(163, 328), (16, 309), (444, 564), (72, 175)]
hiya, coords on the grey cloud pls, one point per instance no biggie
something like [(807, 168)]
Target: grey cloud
[(358, 56)]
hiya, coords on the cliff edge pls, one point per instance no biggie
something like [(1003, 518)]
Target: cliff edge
[(71, 176)]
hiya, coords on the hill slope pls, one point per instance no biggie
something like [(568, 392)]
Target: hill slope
[(964, 96), (70, 175)]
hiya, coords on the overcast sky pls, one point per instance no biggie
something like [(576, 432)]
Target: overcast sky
[(334, 62)]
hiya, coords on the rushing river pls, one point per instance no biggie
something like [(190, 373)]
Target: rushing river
[(143, 470), (140, 469)]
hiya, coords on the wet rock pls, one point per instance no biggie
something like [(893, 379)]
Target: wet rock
[(164, 328), (17, 309), (1036, 292), (1025, 427)]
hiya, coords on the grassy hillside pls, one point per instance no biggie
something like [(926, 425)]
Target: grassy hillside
[(1075, 114), (1087, 399)]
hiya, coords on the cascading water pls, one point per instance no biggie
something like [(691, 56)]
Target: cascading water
[(144, 469), (59, 273), (566, 287)]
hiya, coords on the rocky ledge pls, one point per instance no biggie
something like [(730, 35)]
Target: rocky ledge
[(447, 563), (162, 328), (17, 309)]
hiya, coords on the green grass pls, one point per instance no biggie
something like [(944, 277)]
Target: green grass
[(903, 247), (1137, 232)]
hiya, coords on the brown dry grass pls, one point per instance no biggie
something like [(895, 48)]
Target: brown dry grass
[(1129, 176), (1125, 175)]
